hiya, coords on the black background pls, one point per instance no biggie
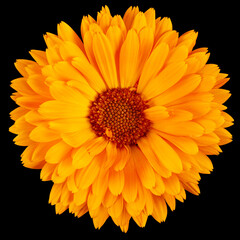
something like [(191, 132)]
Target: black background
[(25, 197)]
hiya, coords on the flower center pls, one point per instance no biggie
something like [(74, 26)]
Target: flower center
[(117, 115)]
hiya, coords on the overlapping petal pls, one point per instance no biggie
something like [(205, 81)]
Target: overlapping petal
[(184, 105)]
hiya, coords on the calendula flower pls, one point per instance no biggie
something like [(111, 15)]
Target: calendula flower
[(122, 119)]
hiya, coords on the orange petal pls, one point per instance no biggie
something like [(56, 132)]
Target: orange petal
[(129, 192), (129, 16), (143, 144), (57, 152), (180, 89), (105, 59), (159, 209), (165, 153), (153, 65), (81, 158), (43, 134), (116, 182), (87, 175), (66, 33), (143, 168), (128, 62), (169, 76), (172, 185), (76, 139)]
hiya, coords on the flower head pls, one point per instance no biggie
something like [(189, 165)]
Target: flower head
[(121, 121)]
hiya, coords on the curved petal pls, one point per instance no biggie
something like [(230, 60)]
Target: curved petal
[(129, 60), (103, 53)]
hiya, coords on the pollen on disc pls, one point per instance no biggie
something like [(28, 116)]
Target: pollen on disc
[(118, 115)]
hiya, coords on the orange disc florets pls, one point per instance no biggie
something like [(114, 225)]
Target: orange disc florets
[(117, 114)]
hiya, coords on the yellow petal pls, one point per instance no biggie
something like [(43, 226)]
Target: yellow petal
[(116, 209), (55, 193), (159, 209), (143, 144), (162, 26), (71, 184), (104, 20), (30, 101), (81, 158), (188, 39), (204, 162), (100, 185), (180, 89), (171, 38), (87, 175), (39, 56), (115, 37), (100, 218), (109, 199), (143, 168), (207, 139), (84, 88), (129, 16), (69, 124), (165, 153), (156, 113), (37, 83), (76, 139), (135, 208), (96, 146), (185, 128), (21, 65), (47, 171), (172, 185), (153, 65), (146, 38), (69, 50), (169, 76), (65, 71), (117, 21), (65, 167), (66, 33), (206, 84), (122, 157), (43, 134), (17, 113), (56, 109), (192, 188), (224, 135), (90, 73), (197, 108), (185, 144), (141, 219), (86, 21), (195, 62), (105, 59), (116, 182), (88, 45), (159, 187), (60, 91), (139, 22), (177, 54), (57, 152), (21, 86), (150, 15), (129, 192), (221, 95), (128, 62), (80, 197)]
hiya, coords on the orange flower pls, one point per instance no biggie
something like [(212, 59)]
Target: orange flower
[(121, 122)]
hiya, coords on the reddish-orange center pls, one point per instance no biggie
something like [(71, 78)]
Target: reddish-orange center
[(117, 114)]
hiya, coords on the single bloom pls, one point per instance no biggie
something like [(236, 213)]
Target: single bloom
[(121, 119)]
